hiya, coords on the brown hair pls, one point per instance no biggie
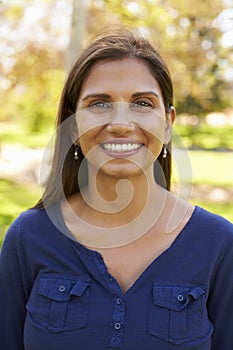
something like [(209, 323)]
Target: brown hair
[(63, 178)]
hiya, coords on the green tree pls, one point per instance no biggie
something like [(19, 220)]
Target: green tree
[(35, 50), (32, 64), (188, 38)]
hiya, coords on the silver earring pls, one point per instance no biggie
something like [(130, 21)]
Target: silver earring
[(76, 156), (164, 152)]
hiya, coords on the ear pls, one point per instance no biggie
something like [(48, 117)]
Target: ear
[(170, 117)]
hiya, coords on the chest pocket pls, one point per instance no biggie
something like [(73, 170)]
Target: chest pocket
[(178, 314), (60, 303)]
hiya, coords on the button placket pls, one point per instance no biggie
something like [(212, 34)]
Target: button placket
[(117, 326), (119, 301), (118, 322)]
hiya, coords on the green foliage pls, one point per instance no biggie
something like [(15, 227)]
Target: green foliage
[(203, 136), (11, 133), (36, 102), (188, 37), (40, 109), (32, 70)]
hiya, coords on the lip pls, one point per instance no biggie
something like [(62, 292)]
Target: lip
[(121, 148)]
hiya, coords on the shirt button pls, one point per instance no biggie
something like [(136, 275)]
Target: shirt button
[(180, 297), (118, 301), (62, 288), (117, 326)]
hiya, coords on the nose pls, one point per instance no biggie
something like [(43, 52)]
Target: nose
[(120, 128), (120, 122)]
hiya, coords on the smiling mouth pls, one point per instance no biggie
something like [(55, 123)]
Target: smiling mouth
[(121, 147)]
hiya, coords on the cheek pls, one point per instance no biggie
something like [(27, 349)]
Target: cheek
[(89, 122), (154, 128), (155, 147), (88, 142)]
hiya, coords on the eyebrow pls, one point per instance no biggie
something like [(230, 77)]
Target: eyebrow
[(143, 93), (95, 96), (106, 96)]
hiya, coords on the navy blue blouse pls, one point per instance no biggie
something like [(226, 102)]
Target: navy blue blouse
[(55, 294)]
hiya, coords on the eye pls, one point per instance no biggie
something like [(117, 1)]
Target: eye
[(142, 105), (98, 106)]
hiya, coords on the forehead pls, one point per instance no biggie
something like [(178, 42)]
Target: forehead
[(129, 73)]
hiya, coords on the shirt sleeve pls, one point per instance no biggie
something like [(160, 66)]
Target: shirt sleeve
[(221, 303), (14, 286)]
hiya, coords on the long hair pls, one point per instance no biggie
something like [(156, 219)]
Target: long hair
[(123, 43)]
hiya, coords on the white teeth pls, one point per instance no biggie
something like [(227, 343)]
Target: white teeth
[(121, 147)]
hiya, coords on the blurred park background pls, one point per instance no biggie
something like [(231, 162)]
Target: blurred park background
[(39, 40)]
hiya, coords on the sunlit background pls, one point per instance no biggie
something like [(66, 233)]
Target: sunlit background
[(39, 40)]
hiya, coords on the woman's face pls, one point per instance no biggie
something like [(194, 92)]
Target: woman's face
[(121, 118)]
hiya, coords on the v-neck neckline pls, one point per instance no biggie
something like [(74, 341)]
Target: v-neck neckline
[(64, 229), (167, 251), (56, 209)]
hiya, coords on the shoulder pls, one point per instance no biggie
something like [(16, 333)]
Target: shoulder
[(29, 219), (201, 223), (212, 226), (20, 225), (216, 222), (28, 225)]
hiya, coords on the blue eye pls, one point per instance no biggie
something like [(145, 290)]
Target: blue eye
[(100, 105)]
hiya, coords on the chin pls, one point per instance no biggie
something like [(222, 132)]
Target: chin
[(121, 171)]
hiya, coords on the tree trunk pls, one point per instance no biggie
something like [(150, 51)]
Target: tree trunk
[(77, 31)]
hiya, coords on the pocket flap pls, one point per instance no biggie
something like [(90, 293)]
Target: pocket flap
[(175, 297), (79, 288), (61, 288)]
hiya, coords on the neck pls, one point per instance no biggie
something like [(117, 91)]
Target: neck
[(98, 220), (117, 201)]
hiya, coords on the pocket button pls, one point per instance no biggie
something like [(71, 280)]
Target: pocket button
[(180, 298), (62, 288)]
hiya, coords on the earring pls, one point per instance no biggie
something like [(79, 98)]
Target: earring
[(164, 152), (76, 156)]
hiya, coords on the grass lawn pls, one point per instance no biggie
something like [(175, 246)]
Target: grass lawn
[(204, 167), (212, 170), (212, 167)]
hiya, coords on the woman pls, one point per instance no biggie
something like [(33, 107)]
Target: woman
[(109, 257)]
